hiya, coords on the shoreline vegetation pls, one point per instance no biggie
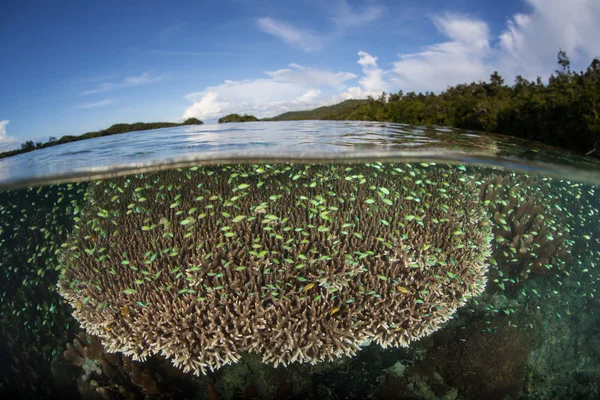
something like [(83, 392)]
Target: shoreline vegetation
[(237, 118), (564, 112), (115, 129)]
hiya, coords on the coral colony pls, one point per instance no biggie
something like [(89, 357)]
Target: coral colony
[(298, 263), (530, 234)]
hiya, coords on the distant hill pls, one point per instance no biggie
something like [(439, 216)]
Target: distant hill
[(115, 129), (237, 118), (335, 112)]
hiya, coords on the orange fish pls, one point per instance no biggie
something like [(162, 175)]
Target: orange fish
[(124, 310)]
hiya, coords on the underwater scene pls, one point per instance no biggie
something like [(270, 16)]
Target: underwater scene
[(369, 278)]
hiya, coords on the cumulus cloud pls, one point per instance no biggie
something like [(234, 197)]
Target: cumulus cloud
[(367, 60), (372, 83), (460, 59), (301, 39), (3, 124), (128, 81), (529, 44), (287, 89), (310, 96), (6, 142)]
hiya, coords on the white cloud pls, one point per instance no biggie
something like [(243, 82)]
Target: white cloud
[(128, 81), (464, 30), (529, 44), (3, 124), (293, 88), (367, 60), (6, 142), (346, 16), (207, 106), (304, 40), (310, 96), (260, 97), (310, 77), (459, 60), (372, 83), (96, 104)]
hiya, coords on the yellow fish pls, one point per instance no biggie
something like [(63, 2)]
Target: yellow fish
[(336, 309), (402, 289), (308, 287)]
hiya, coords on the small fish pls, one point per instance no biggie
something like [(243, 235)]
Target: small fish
[(334, 310), (308, 287), (402, 289), (124, 310), (238, 218)]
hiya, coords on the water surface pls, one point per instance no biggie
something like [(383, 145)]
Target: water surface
[(298, 141)]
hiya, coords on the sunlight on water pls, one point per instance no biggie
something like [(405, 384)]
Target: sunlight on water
[(292, 141)]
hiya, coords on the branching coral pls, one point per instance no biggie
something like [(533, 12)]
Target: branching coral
[(529, 235), (299, 263), (119, 372)]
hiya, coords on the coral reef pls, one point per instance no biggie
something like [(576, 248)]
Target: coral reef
[(530, 237), (112, 375), (484, 361), (298, 263)]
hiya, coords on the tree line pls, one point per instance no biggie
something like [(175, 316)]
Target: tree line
[(563, 112), (237, 118), (115, 129)]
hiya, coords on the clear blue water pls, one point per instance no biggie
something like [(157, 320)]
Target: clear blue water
[(310, 260)]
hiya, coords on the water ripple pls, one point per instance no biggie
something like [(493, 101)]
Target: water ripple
[(293, 141)]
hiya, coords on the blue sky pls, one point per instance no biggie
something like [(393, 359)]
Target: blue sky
[(72, 67)]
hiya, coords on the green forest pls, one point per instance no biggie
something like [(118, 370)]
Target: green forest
[(563, 112), (237, 118)]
